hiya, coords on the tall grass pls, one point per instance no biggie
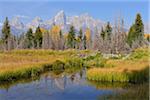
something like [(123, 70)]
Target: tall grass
[(118, 75), (19, 64), (25, 72), (134, 69)]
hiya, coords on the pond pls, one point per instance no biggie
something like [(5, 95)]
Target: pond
[(69, 85)]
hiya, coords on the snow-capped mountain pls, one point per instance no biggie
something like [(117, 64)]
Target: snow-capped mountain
[(60, 18), (82, 21), (85, 21), (15, 22), (17, 27), (37, 21)]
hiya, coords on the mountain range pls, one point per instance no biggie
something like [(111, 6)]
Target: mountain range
[(82, 21)]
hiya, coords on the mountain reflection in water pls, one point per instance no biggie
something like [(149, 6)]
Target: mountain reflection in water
[(62, 85)]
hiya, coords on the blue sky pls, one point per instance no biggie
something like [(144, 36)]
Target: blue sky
[(103, 10)]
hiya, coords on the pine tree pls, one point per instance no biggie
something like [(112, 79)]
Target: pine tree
[(80, 35), (38, 38), (60, 34), (71, 38), (136, 32), (30, 38), (131, 36), (79, 39), (84, 42), (139, 27), (108, 31), (102, 33), (6, 33)]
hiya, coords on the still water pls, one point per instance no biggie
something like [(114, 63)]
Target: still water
[(63, 86)]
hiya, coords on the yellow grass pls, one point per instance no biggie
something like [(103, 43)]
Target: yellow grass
[(127, 65), (124, 71), (25, 63), (11, 62)]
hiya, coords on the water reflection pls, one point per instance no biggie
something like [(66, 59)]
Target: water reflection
[(65, 85), (63, 79), (134, 92)]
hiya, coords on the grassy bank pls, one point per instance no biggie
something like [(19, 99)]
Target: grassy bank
[(134, 68), (20, 64)]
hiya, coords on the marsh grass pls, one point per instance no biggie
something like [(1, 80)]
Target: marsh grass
[(19, 64), (134, 69), (25, 72), (119, 74)]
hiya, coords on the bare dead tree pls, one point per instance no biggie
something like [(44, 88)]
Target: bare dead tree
[(118, 41), (46, 40)]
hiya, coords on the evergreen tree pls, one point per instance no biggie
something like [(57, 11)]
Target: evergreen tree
[(60, 34), (102, 33), (79, 40), (84, 41), (108, 31), (139, 27), (38, 38), (131, 36), (71, 38), (30, 38), (136, 32), (80, 35), (6, 33)]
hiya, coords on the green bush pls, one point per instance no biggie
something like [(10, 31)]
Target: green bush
[(58, 65), (139, 53), (74, 62), (95, 60)]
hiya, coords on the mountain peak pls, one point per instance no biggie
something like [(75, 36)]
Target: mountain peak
[(60, 18), (82, 21), (37, 19), (61, 12), (16, 22)]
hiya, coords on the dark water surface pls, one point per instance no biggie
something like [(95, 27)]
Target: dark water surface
[(65, 86)]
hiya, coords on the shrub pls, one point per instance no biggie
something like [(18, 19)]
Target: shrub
[(139, 54), (58, 65), (74, 62), (95, 60)]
